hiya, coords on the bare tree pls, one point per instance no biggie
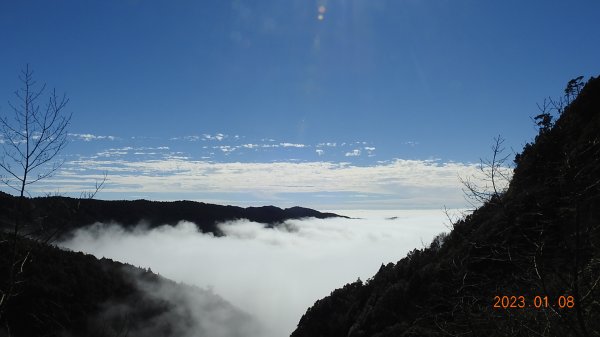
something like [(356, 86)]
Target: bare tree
[(31, 138), (493, 178), (34, 136)]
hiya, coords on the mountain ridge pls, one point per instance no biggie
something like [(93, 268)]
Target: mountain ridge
[(64, 214)]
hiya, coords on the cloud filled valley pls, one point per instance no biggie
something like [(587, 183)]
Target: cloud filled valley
[(274, 274)]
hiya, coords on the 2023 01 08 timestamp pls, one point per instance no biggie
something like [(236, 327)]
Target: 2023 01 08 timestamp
[(537, 302)]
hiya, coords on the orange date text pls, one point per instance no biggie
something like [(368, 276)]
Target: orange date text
[(537, 302)]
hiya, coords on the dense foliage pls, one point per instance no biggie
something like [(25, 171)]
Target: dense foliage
[(541, 237)]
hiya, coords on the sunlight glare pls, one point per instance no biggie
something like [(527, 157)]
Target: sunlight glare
[(322, 9)]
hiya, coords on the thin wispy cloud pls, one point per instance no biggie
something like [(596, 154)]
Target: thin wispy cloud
[(370, 151), (353, 153), (217, 137), (88, 137), (250, 146), (112, 153), (221, 145), (292, 145), (226, 148), (203, 137)]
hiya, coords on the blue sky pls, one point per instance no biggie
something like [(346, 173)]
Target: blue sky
[(375, 104)]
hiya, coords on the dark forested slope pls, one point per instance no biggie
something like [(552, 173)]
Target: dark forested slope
[(65, 214), (539, 241), (63, 293)]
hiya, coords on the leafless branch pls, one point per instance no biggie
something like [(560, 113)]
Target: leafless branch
[(98, 186), (31, 142), (493, 178), (33, 137)]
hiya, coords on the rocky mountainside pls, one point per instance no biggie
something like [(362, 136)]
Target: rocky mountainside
[(526, 263)]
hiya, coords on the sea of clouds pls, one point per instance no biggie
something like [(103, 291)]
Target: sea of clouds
[(274, 274)]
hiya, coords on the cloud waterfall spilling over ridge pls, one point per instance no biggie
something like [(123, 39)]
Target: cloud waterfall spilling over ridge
[(164, 307), (273, 273)]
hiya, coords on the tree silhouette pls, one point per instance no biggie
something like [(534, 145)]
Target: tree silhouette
[(493, 176), (31, 139), (34, 136)]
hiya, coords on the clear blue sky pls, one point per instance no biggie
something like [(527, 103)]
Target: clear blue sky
[(220, 92)]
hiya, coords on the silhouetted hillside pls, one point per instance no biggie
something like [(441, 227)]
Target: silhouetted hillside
[(66, 214), (539, 238), (62, 293)]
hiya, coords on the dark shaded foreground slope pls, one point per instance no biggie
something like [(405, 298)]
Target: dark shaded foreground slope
[(62, 293), (63, 214), (540, 238)]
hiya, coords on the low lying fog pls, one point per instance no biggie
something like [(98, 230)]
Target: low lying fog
[(273, 274)]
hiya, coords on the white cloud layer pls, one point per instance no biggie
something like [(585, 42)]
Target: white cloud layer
[(275, 274), (403, 183)]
